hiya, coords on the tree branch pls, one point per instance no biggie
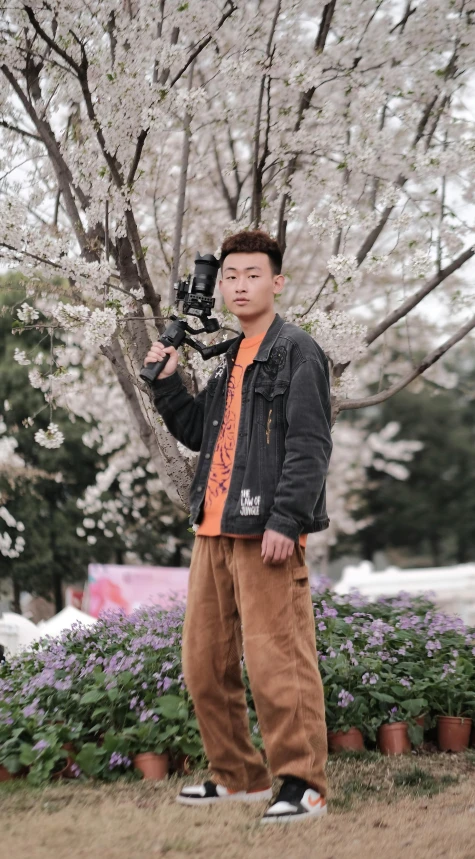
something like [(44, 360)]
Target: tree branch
[(304, 104), (21, 131), (424, 365), (137, 155), (413, 300), (49, 41), (180, 209), (204, 43)]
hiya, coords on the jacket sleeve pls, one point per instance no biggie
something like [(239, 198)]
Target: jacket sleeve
[(182, 413), (308, 446)]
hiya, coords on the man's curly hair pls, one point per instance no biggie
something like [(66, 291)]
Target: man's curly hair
[(253, 241)]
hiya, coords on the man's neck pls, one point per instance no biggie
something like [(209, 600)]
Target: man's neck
[(253, 327)]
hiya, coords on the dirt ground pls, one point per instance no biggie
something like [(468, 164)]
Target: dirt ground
[(417, 807)]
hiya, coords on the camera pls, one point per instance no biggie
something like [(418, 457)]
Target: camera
[(195, 294)]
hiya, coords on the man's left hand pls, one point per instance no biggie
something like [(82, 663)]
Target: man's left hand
[(276, 548)]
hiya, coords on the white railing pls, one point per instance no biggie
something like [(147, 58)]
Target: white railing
[(453, 587)]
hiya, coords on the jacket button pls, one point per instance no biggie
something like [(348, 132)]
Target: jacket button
[(207, 455), (199, 488), (215, 423)]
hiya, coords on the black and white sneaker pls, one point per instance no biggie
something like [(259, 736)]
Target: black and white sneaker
[(295, 801), (209, 793)]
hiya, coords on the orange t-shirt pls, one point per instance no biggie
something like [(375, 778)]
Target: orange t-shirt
[(223, 458)]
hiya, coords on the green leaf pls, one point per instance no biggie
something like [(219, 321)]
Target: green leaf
[(414, 706), (381, 696), (89, 759), (92, 696), (169, 706), (27, 755), (416, 734), (12, 763)]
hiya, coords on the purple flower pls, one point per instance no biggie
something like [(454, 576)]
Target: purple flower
[(345, 698), (30, 709), (404, 681), (118, 760), (40, 746)]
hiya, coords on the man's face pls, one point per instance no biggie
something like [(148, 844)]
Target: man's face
[(248, 284)]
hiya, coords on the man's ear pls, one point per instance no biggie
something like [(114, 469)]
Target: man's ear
[(220, 285), (279, 283)]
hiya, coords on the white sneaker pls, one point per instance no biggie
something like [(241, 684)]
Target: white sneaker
[(209, 793), (295, 801)]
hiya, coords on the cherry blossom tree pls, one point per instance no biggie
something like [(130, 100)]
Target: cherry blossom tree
[(12, 541), (135, 132)]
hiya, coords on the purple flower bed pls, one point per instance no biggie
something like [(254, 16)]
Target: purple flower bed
[(392, 660), (116, 689)]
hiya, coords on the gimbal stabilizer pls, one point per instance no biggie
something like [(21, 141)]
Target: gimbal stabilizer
[(197, 296)]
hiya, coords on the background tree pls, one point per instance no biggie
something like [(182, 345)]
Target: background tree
[(135, 132), (431, 514), (43, 486)]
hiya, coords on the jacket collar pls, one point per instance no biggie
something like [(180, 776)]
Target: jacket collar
[(264, 349), (270, 338)]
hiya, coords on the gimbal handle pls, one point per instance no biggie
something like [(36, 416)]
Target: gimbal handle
[(174, 335)]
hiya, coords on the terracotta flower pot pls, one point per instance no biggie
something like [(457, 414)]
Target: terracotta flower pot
[(152, 766), (453, 733), (393, 739), (346, 741), (4, 774)]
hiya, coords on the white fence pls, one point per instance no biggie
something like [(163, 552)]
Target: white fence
[(453, 587)]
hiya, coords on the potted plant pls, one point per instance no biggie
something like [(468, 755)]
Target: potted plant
[(345, 715), (453, 702), (11, 743), (393, 737), (150, 755), (44, 756)]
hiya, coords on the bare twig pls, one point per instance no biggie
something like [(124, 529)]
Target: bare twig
[(204, 43), (180, 209), (424, 365), (415, 299)]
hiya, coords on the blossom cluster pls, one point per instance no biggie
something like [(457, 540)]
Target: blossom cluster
[(51, 437)]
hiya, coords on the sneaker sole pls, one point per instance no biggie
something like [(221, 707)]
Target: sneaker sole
[(259, 796), (294, 818)]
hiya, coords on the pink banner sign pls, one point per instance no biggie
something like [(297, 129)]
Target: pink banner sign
[(113, 586)]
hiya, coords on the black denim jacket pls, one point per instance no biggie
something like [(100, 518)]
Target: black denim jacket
[(284, 437)]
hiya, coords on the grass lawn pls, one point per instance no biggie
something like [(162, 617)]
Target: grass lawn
[(414, 807)]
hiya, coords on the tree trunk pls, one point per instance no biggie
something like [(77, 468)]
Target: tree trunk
[(57, 592), (174, 471), (16, 596)]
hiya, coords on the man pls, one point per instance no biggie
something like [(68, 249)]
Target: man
[(262, 426)]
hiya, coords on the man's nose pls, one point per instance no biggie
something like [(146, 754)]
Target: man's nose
[(241, 285)]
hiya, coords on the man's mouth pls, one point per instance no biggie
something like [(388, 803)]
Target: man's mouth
[(241, 300)]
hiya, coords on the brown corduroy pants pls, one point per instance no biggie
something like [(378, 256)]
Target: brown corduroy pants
[(234, 599)]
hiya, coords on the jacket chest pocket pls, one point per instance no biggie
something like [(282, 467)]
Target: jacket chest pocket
[(269, 407)]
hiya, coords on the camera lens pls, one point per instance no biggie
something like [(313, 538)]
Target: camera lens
[(206, 272)]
